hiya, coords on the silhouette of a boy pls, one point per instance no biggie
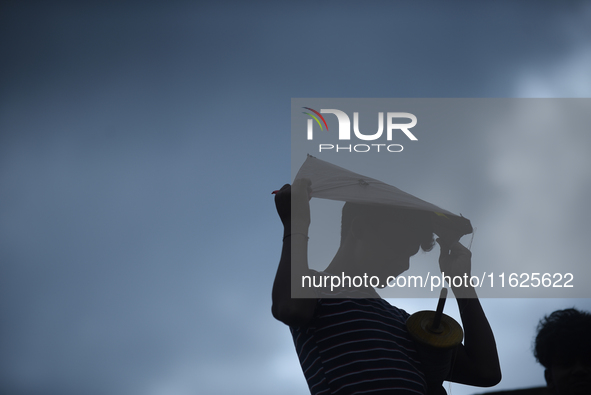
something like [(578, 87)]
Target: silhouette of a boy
[(349, 340)]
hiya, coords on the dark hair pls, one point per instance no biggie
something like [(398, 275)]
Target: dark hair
[(420, 222), (563, 334)]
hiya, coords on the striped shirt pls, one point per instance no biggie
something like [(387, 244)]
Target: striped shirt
[(358, 346)]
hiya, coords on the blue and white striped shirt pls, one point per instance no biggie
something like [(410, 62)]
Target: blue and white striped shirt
[(359, 346)]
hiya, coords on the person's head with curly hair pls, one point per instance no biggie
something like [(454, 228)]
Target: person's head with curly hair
[(563, 347)]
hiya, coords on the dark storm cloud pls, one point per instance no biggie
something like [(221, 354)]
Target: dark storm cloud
[(331, 46)]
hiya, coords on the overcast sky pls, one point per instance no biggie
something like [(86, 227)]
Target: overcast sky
[(139, 144)]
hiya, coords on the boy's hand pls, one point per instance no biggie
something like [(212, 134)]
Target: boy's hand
[(283, 204), (294, 197), (455, 260)]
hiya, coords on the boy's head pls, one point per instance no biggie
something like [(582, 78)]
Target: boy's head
[(563, 347), (414, 224), (386, 236)]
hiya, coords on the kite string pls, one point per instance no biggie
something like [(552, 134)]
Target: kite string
[(472, 239)]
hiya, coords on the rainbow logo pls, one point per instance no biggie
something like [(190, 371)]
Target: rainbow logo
[(313, 116)]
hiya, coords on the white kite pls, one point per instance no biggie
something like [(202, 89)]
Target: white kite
[(332, 182)]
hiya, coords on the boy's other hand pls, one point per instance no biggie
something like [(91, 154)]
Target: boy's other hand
[(294, 197)]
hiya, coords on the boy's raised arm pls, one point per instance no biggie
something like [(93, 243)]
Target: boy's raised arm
[(292, 266), (477, 361)]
